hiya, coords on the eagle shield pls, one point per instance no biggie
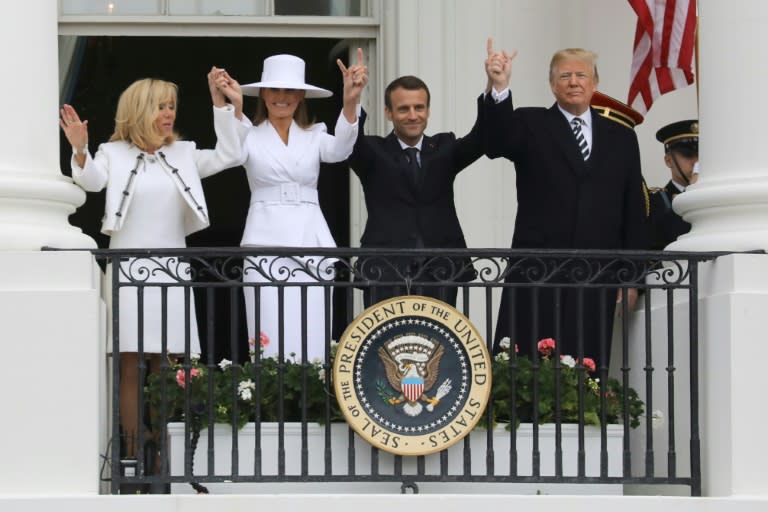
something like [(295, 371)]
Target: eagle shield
[(412, 366)]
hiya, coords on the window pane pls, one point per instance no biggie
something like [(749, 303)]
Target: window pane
[(318, 7), (215, 7), (218, 7), (117, 7)]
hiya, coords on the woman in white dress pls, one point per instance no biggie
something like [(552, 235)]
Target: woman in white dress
[(154, 199), (282, 155)]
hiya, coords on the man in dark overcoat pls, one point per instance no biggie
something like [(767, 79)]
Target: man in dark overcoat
[(579, 186)]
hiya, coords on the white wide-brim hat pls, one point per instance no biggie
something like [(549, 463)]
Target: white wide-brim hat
[(284, 72)]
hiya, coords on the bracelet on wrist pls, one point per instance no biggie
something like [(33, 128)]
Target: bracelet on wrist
[(80, 151)]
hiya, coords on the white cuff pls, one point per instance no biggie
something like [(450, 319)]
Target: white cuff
[(499, 96)]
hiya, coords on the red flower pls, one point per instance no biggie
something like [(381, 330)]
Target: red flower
[(546, 346), (589, 364), (181, 376), (263, 340)]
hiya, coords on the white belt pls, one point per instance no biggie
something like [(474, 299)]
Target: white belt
[(285, 193)]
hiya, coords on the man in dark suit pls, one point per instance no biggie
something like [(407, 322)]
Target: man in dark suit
[(407, 180), (579, 186), (681, 155)]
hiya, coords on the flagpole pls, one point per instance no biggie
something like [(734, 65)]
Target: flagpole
[(696, 58)]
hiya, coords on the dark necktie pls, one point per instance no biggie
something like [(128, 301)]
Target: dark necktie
[(580, 140), (411, 155)]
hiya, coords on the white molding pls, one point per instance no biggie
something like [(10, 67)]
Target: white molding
[(234, 26)]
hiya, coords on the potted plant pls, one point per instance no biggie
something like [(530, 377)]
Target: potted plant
[(234, 401), (519, 375)]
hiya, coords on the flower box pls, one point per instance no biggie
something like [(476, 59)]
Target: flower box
[(340, 436)]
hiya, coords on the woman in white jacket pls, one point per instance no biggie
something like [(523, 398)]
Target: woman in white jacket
[(154, 199), (282, 155)]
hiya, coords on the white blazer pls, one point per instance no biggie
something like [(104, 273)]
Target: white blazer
[(116, 167), (284, 211)]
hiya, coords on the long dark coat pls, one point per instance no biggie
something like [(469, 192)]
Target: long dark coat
[(565, 202)]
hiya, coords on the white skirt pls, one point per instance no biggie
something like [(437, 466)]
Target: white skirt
[(178, 327), (286, 270)]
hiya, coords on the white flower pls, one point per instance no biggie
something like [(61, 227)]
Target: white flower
[(225, 363), (505, 343), (321, 374), (568, 361), (194, 357), (657, 419), (244, 389), (317, 361), (502, 356)]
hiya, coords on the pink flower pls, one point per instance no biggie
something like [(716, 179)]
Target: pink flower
[(589, 364), (181, 376), (263, 340), (546, 346)]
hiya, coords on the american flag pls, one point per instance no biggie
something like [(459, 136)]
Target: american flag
[(662, 58)]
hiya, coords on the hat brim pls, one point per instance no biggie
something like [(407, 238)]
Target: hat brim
[(310, 90)]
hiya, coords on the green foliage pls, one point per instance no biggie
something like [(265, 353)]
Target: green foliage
[(536, 380), (237, 394)]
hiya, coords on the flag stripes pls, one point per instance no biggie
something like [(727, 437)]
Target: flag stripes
[(663, 49)]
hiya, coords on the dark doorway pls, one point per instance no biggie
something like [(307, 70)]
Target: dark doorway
[(110, 64)]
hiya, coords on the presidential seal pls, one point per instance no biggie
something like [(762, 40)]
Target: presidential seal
[(412, 375)]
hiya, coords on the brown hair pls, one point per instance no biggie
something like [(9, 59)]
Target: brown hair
[(301, 115), (407, 82), (137, 111)]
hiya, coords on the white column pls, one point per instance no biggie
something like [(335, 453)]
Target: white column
[(52, 319), (728, 207), (35, 198)]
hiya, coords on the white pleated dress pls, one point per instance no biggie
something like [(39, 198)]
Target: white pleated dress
[(284, 212)]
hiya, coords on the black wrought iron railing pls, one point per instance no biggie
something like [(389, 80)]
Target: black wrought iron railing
[(600, 379)]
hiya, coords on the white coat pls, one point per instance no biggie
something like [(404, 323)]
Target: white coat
[(116, 166), (284, 210)]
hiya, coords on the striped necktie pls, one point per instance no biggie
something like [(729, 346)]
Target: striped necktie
[(580, 140)]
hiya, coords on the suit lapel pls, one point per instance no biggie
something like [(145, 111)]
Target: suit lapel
[(600, 134), (428, 150), (564, 140)]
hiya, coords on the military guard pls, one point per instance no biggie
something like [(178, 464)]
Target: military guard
[(681, 155)]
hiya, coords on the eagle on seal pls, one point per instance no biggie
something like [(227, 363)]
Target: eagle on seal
[(412, 365)]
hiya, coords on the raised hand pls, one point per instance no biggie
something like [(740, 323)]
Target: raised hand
[(355, 78), (498, 67), (75, 130)]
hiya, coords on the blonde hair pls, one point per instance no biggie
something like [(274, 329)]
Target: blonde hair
[(581, 54), (137, 111)]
